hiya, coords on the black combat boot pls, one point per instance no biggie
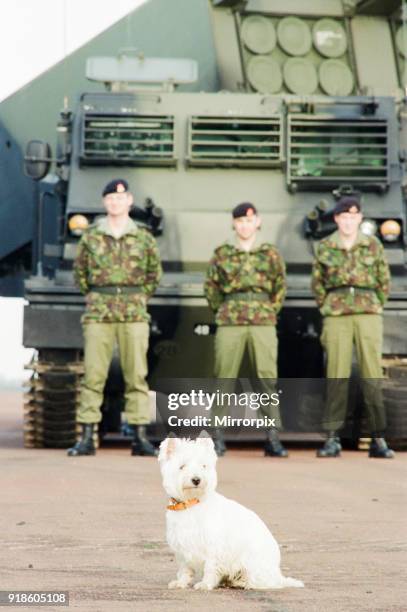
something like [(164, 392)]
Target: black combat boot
[(219, 441), (332, 446), (273, 446), (379, 449), (141, 445), (85, 445)]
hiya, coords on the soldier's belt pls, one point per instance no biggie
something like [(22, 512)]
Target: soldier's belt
[(248, 296), (352, 289), (117, 289)]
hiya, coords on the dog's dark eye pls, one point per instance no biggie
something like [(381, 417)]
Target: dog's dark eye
[(204, 466), (181, 467)]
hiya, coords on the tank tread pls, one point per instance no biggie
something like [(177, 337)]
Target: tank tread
[(75, 367), (395, 367), (394, 388), (50, 404), (364, 443), (395, 401)]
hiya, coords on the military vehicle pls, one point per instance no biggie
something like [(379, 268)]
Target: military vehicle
[(311, 104)]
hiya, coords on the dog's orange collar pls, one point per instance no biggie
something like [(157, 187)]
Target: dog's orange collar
[(180, 505)]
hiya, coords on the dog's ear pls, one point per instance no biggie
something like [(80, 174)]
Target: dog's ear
[(204, 439), (168, 447), (203, 435)]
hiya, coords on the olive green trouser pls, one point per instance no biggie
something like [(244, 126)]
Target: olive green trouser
[(339, 334), (261, 342), (100, 340)]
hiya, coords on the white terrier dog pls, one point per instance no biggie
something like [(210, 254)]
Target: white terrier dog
[(216, 540)]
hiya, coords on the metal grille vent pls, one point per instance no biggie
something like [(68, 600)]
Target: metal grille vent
[(324, 152), (234, 141), (128, 141)]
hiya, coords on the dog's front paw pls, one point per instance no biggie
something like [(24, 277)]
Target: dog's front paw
[(203, 586), (177, 584)]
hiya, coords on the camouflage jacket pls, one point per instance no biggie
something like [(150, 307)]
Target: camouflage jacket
[(232, 270), (336, 269), (103, 260)]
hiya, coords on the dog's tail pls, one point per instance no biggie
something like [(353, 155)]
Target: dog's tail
[(291, 582)]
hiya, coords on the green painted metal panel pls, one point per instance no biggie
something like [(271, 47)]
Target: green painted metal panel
[(182, 31)]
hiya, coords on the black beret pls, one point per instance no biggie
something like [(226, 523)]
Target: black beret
[(244, 210), (115, 186), (345, 203)]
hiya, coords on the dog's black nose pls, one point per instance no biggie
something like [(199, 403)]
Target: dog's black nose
[(196, 481)]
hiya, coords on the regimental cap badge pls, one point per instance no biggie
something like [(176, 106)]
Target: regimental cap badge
[(347, 203), (244, 210), (115, 186)]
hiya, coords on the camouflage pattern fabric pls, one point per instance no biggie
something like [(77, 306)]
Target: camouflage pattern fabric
[(233, 270), (363, 266), (103, 260)]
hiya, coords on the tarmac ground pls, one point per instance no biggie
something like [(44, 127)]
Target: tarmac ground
[(95, 527)]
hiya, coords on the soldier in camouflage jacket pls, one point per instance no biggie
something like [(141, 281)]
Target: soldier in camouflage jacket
[(233, 271), (245, 288), (351, 281), (363, 267), (130, 261), (118, 268)]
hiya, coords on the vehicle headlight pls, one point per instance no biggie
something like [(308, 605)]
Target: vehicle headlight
[(368, 227), (390, 230), (78, 224)]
